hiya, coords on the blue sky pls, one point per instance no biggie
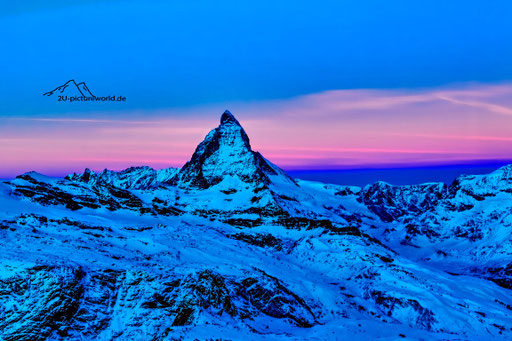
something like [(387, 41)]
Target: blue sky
[(163, 54), (317, 85)]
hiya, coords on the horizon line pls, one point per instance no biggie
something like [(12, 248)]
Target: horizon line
[(483, 164)]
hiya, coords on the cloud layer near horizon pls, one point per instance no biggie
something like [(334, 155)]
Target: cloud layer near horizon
[(332, 129)]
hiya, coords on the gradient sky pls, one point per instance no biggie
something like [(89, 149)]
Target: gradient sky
[(324, 84)]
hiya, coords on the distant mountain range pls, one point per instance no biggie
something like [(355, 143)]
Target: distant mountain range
[(230, 247), (71, 88)]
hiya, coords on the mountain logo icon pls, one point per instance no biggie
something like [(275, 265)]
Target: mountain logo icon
[(71, 87), (72, 91)]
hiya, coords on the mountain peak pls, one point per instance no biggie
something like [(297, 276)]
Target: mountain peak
[(227, 117), (226, 152)]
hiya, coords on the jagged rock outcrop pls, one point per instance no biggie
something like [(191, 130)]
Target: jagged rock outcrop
[(141, 178), (391, 202), (63, 302), (455, 226), (38, 302)]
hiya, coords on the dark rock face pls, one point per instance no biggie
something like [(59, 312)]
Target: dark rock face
[(41, 301), (500, 275), (260, 239), (205, 290), (226, 152), (59, 302), (303, 223), (95, 308), (243, 298), (417, 314), (268, 295)]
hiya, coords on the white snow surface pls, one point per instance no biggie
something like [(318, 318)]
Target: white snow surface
[(133, 256)]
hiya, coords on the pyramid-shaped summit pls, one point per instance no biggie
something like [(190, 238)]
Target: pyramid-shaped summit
[(226, 152)]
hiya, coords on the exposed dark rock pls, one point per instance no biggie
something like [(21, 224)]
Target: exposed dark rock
[(260, 239), (48, 298), (302, 222), (244, 222), (419, 316), (391, 202), (99, 195)]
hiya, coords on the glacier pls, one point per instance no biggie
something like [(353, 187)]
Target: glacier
[(229, 247)]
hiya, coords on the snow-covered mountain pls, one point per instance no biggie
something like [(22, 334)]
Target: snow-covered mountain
[(229, 247), (226, 153), (464, 228)]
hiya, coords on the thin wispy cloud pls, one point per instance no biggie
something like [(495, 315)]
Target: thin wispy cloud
[(498, 109), (83, 120), (454, 137)]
